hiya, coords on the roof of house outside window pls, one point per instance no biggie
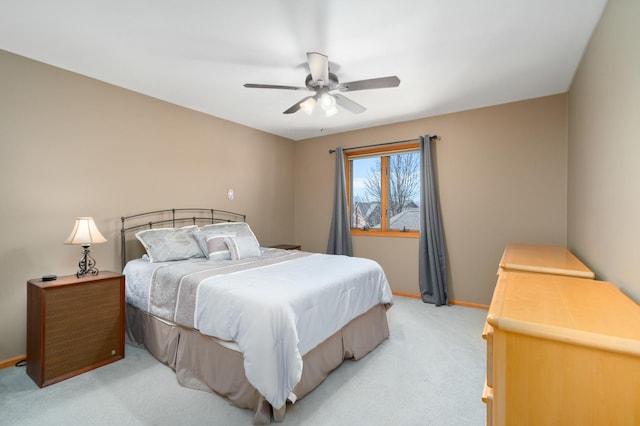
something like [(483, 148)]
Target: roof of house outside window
[(409, 218)]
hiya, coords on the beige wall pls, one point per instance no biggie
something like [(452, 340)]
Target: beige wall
[(502, 178), (604, 150), (72, 146)]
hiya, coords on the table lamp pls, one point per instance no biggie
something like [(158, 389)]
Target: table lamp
[(84, 233)]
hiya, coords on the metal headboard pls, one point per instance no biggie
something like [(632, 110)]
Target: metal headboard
[(171, 218)]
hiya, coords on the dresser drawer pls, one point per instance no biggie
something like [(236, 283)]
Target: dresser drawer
[(487, 334), (487, 398)]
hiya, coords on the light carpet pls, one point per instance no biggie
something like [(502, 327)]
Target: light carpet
[(429, 372)]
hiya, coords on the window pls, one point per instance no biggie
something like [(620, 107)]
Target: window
[(384, 191)]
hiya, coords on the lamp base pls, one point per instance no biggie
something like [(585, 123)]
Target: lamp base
[(87, 264)]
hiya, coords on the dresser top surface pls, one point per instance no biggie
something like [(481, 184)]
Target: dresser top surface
[(566, 308), (548, 259)]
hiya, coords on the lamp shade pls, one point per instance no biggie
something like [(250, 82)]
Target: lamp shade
[(85, 232)]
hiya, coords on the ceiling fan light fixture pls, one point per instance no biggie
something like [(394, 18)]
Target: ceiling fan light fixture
[(328, 104), (308, 106), (330, 111), (327, 101)]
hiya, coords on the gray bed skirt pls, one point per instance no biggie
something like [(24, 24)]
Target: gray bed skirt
[(201, 362)]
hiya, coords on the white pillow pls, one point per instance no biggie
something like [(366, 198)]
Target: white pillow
[(242, 247), (166, 244), (245, 245)]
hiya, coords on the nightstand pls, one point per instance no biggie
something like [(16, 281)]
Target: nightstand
[(73, 325), (287, 246)]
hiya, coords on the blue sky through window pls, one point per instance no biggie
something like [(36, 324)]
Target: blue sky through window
[(361, 167)]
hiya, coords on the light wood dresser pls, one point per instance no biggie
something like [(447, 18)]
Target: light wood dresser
[(545, 259), (561, 350)]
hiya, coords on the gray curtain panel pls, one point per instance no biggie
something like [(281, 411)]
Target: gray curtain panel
[(432, 274), (340, 234)]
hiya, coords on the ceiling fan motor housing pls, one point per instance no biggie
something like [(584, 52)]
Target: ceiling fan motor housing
[(318, 84)]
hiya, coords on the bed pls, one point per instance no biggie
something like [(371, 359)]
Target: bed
[(259, 326)]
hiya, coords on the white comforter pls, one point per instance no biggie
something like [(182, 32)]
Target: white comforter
[(279, 312)]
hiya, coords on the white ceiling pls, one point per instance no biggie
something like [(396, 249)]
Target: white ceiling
[(450, 55)]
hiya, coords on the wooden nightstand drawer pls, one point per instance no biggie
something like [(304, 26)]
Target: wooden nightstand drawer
[(73, 325)]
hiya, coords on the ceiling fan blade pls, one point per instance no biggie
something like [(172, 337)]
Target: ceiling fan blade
[(273, 86), (319, 66), (372, 83), (297, 106), (349, 104)]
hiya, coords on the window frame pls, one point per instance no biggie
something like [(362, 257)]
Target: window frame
[(381, 151)]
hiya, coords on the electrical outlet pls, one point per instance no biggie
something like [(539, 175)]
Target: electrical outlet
[(230, 194)]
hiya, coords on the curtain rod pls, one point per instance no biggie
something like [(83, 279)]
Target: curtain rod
[(331, 151)]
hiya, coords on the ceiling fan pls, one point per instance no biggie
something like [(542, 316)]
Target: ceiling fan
[(328, 90)]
